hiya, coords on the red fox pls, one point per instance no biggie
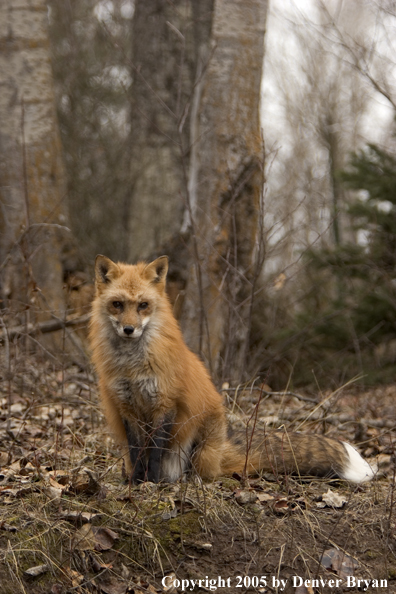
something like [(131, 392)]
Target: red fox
[(161, 403)]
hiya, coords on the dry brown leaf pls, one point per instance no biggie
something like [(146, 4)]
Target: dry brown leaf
[(113, 586), (60, 476), (339, 562), (78, 517), (56, 485), (53, 493), (5, 458), (84, 539), (265, 497), (34, 430), (75, 577), (94, 538), (243, 497), (15, 467), (281, 506), (98, 566), (17, 492), (87, 483)]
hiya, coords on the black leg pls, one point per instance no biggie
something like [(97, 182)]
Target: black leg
[(159, 440), (136, 454)]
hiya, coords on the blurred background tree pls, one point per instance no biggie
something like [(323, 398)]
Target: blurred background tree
[(34, 242), (158, 107), (346, 324), (328, 92), (91, 49), (159, 112)]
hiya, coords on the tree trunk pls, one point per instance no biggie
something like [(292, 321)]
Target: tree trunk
[(32, 189), (225, 187), (168, 38)]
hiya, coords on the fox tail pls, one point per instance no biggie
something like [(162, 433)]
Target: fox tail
[(295, 453)]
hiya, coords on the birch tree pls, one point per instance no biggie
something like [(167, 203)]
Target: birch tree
[(225, 185), (32, 189), (196, 155), (170, 40)]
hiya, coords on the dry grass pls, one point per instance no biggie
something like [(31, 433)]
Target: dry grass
[(67, 513)]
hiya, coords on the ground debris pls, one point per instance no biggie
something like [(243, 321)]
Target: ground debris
[(331, 499), (65, 506)]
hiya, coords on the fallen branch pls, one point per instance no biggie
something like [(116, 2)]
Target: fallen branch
[(268, 393), (43, 327), (339, 420)]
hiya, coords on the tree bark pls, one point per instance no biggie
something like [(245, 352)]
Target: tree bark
[(225, 184), (168, 38), (32, 186)]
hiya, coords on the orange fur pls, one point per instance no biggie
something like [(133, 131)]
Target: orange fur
[(159, 399)]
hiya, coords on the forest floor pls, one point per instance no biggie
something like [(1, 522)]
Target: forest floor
[(69, 523)]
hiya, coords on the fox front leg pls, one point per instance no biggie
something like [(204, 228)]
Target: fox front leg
[(137, 454), (158, 443)]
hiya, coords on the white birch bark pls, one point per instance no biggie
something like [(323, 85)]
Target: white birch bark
[(32, 188), (225, 188)]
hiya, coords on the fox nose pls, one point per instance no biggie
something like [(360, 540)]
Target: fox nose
[(128, 330)]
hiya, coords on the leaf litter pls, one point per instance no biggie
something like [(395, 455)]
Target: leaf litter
[(70, 523)]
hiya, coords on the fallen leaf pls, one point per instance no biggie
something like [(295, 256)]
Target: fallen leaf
[(18, 492), (60, 476), (5, 458), (339, 562), (265, 497), (54, 494), (243, 497), (331, 499), (104, 538), (78, 517), (112, 586), (36, 571), (94, 538), (75, 577), (87, 483), (97, 566), (15, 467), (281, 506)]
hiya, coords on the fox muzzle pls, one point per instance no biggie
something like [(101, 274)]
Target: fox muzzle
[(129, 330)]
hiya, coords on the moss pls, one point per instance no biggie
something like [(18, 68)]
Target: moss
[(186, 524), (373, 554), (230, 483), (172, 533)]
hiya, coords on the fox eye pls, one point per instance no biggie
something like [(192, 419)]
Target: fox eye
[(117, 304), (143, 305)]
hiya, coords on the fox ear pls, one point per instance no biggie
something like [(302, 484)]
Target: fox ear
[(156, 271), (105, 270)]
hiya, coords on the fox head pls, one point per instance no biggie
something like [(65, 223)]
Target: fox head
[(130, 295)]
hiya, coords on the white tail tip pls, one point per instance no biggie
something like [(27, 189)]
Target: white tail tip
[(356, 470)]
